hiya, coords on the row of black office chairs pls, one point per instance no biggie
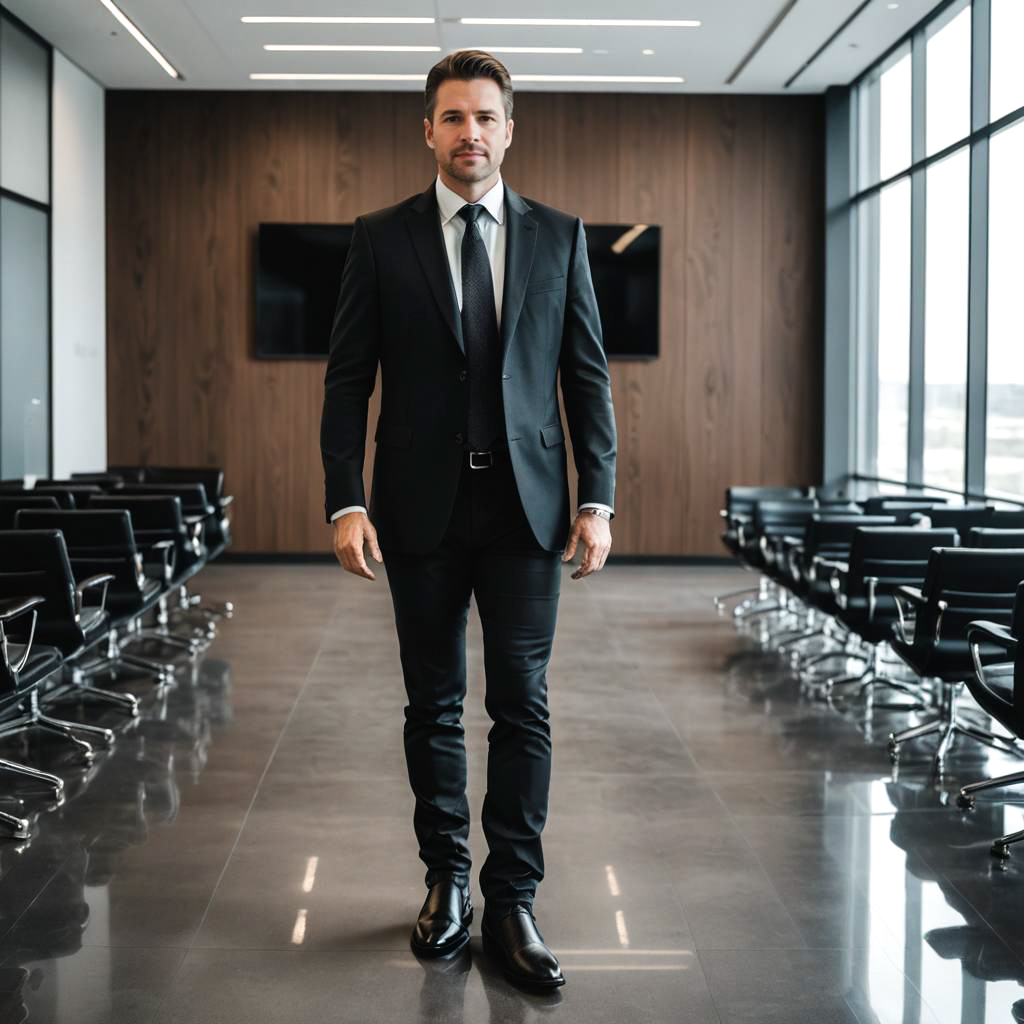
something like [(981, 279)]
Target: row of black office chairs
[(90, 570), (926, 595)]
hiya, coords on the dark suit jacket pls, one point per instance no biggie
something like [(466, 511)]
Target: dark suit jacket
[(397, 306)]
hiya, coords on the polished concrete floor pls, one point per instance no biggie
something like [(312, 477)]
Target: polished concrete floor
[(717, 848)]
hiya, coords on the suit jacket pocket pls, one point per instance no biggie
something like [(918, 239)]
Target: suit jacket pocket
[(397, 437), (552, 434), (547, 284)]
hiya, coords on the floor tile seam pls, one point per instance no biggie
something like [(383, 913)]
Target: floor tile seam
[(981, 917), (34, 900), (909, 980), (256, 793), (155, 1016), (711, 992), (657, 703), (732, 820)]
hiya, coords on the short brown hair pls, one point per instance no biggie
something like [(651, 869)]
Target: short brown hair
[(467, 65)]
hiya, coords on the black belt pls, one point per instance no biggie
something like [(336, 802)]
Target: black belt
[(494, 456)]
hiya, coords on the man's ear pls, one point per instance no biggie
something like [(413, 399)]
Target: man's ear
[(511, 125), (428, 132)]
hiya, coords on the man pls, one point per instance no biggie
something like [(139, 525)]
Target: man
[(472, 299)]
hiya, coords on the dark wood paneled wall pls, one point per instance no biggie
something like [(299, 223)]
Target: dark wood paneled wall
[(735, 181)]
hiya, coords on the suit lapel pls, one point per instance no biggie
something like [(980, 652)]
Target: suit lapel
[(520, 242), (425, 228), (424, 225)]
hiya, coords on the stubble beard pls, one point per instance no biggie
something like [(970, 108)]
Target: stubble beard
[(469, 173)]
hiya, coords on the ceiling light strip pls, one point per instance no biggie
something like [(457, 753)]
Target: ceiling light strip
[(587, 22), (288, 20), (348, 48), (276, 76), (141, 39)]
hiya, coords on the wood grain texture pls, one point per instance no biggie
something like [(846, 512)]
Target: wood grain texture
[(736, 183)]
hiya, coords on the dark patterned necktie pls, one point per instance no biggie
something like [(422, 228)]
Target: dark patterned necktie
[(481, 336)]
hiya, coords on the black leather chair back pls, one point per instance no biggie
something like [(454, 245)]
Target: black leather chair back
[(211, 478), (989, 538), (63, 498), (974, 584), (97, 541), (879, 504), (37, 562), (8, 506), (962, 518), (129, 474), (831, 535), (741, 500), (774, 518), (1006, 519), (894, 555)]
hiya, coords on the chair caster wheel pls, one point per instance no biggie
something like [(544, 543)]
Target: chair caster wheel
[(1000, 850), (965, 802)]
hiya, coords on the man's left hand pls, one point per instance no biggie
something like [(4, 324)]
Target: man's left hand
[(596, 536)]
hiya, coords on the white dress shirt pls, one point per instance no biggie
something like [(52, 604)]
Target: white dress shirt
[(492, 230)]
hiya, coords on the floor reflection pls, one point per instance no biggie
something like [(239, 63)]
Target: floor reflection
[(57, 883)]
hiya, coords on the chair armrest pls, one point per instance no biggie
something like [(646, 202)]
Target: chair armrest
[(168, 557), (10, 609), (226, 500), (979, 632), (912, 594), (908, 602), (102, 579)]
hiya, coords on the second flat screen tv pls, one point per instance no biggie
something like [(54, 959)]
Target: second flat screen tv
[(299, 267)]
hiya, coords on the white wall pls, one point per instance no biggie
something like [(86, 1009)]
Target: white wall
[(78, 265)]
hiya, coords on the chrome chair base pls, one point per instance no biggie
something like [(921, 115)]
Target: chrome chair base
[(949, 725)]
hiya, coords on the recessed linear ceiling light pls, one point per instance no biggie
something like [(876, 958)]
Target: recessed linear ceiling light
[(333, 77), (275, 76), (525, 49), (584, 22), (320, 47), (648, 79), (284, 19), (140, 38)]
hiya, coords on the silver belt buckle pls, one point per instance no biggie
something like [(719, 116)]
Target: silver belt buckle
[(483, 465)]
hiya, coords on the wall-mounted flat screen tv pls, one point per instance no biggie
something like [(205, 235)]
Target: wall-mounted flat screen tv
[(298, 273)]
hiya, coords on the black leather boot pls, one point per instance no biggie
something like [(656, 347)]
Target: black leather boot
[(511, 938), (443, 925)]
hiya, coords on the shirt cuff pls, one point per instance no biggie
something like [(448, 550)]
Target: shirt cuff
[(346, 510), (595, 504)]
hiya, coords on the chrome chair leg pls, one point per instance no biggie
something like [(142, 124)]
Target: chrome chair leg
[(18, 827), (55, 782), (965, 798), (104, 735), (84, 749), (1001, 847)]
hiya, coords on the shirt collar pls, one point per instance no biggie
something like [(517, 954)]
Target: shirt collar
[(449, 202)]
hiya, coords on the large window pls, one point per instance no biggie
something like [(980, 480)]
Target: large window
[(948, 64), (24, 252), (936, 213), (1007, 76), (945, 320), (1004, 461)]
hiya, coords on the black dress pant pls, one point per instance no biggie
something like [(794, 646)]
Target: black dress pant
[(489, 551)]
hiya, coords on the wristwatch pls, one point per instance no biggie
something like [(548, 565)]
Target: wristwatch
[(602, 512)]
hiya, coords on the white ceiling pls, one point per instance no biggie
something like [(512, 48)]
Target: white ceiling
[(211, 47)]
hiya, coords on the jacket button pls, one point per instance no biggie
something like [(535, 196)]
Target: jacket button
[(459, 439), (463, 374)]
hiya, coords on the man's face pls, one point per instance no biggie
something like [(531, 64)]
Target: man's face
[(469, 133)]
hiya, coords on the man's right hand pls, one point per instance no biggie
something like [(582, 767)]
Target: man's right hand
[(350, 532)]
